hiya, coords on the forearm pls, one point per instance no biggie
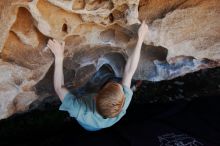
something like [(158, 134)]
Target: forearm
[(133, 59), (58, 73), (59, 78), (131, 65)]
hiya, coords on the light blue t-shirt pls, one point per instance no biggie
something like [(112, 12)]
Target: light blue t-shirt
[(84, 110)]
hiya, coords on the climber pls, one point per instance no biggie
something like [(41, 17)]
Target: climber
[(110, 104)]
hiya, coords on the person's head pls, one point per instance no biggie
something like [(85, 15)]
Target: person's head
[(110, 100)]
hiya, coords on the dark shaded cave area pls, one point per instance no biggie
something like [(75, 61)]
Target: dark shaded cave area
[(166, 105)]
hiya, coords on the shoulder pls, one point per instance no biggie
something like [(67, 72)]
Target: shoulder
[(76, 106), (128, 96), (71, 104), (93, 121), (127, 90)]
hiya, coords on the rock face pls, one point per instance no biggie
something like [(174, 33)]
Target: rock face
[(184, 36)]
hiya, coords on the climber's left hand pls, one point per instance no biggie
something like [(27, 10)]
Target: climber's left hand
[(57, 48)]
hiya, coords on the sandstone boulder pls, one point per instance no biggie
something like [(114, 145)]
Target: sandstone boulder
[(184, 36)]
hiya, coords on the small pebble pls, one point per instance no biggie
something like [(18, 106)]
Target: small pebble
[(179, 83), (181, 90)]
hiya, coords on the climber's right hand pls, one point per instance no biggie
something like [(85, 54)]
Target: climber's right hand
[(57, 48)]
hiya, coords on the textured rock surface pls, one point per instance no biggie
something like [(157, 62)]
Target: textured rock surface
[(184, 36)]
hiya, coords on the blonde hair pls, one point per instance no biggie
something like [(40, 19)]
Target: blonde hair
[(110, 100)]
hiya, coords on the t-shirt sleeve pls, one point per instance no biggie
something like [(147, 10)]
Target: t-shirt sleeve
[(71, 104), (128, 96)]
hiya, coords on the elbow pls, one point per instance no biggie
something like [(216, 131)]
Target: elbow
[(129, 71), (57, 90), (127, 68)]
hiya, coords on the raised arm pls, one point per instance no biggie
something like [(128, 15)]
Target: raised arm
[(133, 59), (58, 51)]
